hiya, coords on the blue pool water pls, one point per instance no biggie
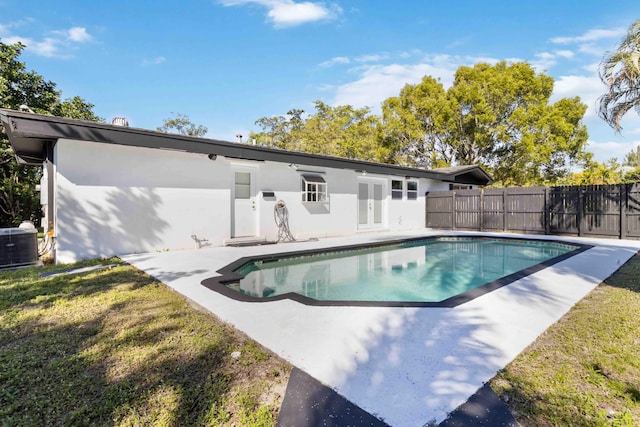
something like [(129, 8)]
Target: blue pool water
[(430, 270)]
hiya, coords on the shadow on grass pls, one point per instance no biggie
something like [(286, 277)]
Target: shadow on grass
[(104, 350), (532, 406), (628, 276)]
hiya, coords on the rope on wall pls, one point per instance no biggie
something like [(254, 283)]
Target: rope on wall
[(281, 216)]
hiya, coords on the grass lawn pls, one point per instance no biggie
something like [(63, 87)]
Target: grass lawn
[(585, 369), (115, 347)]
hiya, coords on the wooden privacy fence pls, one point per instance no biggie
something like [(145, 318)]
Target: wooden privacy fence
[(597, 211)]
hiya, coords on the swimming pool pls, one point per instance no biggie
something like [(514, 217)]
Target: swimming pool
[(436, 271)]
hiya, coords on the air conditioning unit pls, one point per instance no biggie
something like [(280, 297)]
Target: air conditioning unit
[(18, 247)]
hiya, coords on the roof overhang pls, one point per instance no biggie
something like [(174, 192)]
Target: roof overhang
[(30, 135), (470, 174)]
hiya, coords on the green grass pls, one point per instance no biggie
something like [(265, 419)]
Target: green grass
[(115, 347), (585, 369)]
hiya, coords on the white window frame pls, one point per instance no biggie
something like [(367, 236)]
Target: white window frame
[(397, 193), (314, 189), (412, 194)]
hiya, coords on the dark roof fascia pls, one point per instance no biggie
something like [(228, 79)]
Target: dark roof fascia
[(29, 134), (469, 174)]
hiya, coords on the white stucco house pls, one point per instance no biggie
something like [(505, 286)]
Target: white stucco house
[(109, 189)]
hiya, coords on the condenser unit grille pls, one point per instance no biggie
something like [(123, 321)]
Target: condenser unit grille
[(18, 247)]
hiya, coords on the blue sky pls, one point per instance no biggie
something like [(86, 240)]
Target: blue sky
[(226, 63)]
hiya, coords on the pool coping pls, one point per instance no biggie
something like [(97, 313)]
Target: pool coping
[(228, 275)]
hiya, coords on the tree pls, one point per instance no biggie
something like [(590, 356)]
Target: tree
[(342, 131), (416, 124), (596, 173), (181, 124), (620, 72), (631, 164), (279, 131), (497, 116), (632, 158), (18, 86), (76, 108)]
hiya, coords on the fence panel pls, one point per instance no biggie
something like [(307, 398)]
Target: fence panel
[(467, 210), (598, 211), (525, 210), (563, 210), (493, 209), (632, 212), (602, 205), (440, 209)]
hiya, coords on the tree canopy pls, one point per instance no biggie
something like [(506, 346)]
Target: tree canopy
[(620, 72), (19, 86), (497, 116), (342, 131), (181, 124)]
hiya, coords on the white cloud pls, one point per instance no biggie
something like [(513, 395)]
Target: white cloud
[(155, 61), (288, 13), (377, 82), (48, 47), (592, 67), (588, 88), (376, 57), (544, 61), (565, 53), (591, 36), (591, 49), (334, 61), (604, 150), (593, 42), (79, 35), (6, 28), (57, 45)]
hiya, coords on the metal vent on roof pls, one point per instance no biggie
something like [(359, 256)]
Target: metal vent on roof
[(120, 121)]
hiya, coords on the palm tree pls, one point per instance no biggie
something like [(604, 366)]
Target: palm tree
[(620, 71)]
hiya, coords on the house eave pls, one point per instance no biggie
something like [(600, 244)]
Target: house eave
[(30, 133)]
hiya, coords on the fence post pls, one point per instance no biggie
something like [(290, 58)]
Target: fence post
[(547, 210), (580, 213), (624, 200), (481, 209), (426, 209), (453, 210), (504, 209)]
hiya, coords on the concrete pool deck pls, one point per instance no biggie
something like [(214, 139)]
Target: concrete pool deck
[(408, 366)]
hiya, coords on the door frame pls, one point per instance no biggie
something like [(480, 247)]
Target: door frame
[(371, 182), (253, 199)]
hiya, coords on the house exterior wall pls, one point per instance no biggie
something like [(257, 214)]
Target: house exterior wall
[(115, 199)]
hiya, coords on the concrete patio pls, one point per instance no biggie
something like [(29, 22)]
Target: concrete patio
[(407, 366)]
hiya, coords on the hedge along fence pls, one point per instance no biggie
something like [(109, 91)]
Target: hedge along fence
[(596, 211)]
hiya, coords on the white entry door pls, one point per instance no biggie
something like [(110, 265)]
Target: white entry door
[(244, 204), (370, 204)]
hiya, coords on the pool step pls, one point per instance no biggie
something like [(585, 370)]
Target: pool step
[(247, 241)]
